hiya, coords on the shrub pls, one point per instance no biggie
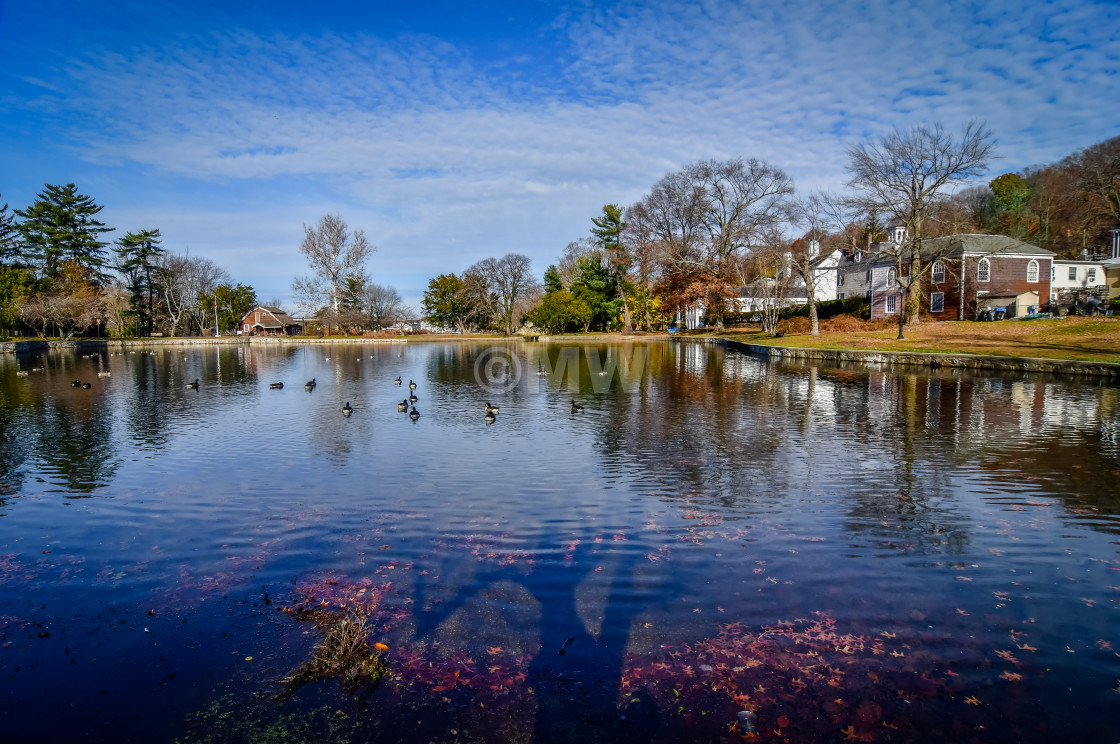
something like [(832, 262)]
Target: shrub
[(854, 306)]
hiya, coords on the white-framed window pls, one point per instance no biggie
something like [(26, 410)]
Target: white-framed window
[(937, 302), (938, 271), (1053, 272), (1073, 273), (983, 270), (892, 304), (839, 295), (1090, 276), (1032, 271), (839, 278), (892, 277), (867, 275)]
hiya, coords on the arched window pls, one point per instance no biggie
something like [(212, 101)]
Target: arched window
[(1032, 271), (938, 271), (984, 270), (892, 276)]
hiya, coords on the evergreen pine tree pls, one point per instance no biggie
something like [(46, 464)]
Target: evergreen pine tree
[(136, 252), (61, 227)]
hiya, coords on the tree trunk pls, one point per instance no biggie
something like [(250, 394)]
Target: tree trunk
[(811, 296), (914, 299), (903, 300), (627, 326)]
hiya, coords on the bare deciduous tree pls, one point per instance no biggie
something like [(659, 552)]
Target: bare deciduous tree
[(775, 283), (826, 218), (180, 280), (905, 174), (706, 213), (334, 255), (382, 305), (511, 282)]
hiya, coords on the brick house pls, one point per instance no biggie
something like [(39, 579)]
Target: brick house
[(268, 321), (954, 267)]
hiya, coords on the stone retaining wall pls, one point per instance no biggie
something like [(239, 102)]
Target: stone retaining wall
[(89, 344), (936, 361)]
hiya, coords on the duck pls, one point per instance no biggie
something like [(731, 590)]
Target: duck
[(21, 373), (76, 383), (403, 405), (414, 414), (576, 407), (193, 385), (347, 410), (490, 418), (276, 385), (397, 381), (490, 408), (411, 385), (412, 398), (540, 370), (310, 384), (86, 386)]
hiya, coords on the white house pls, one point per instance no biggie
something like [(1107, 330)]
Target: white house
[(1068, 275)]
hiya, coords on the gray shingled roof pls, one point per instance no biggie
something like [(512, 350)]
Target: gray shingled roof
[(983, 245)]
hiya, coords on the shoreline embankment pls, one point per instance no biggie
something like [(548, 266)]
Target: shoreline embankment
[(829, 356)]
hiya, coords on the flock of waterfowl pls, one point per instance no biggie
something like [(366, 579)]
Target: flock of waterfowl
[(408, 404)]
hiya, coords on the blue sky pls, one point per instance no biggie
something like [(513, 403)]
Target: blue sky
[(454, 131)]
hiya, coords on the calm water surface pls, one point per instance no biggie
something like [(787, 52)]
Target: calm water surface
[(857, 554)]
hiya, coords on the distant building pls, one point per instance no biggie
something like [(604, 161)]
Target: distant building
[(1069, 277), (958, 272), (269, 321), (785, 290)]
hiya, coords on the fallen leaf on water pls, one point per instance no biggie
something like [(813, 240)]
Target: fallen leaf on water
[(970, 700)]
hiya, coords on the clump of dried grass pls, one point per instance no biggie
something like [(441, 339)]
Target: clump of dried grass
[(838, 324), (344, 653)]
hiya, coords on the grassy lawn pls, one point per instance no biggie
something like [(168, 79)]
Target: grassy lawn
[(1085, 339)]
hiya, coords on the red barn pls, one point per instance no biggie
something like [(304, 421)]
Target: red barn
[(268, 321)]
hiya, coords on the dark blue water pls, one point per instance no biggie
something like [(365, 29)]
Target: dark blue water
[(851, 554)]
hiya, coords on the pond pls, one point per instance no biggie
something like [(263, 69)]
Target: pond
[(716, 548)]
